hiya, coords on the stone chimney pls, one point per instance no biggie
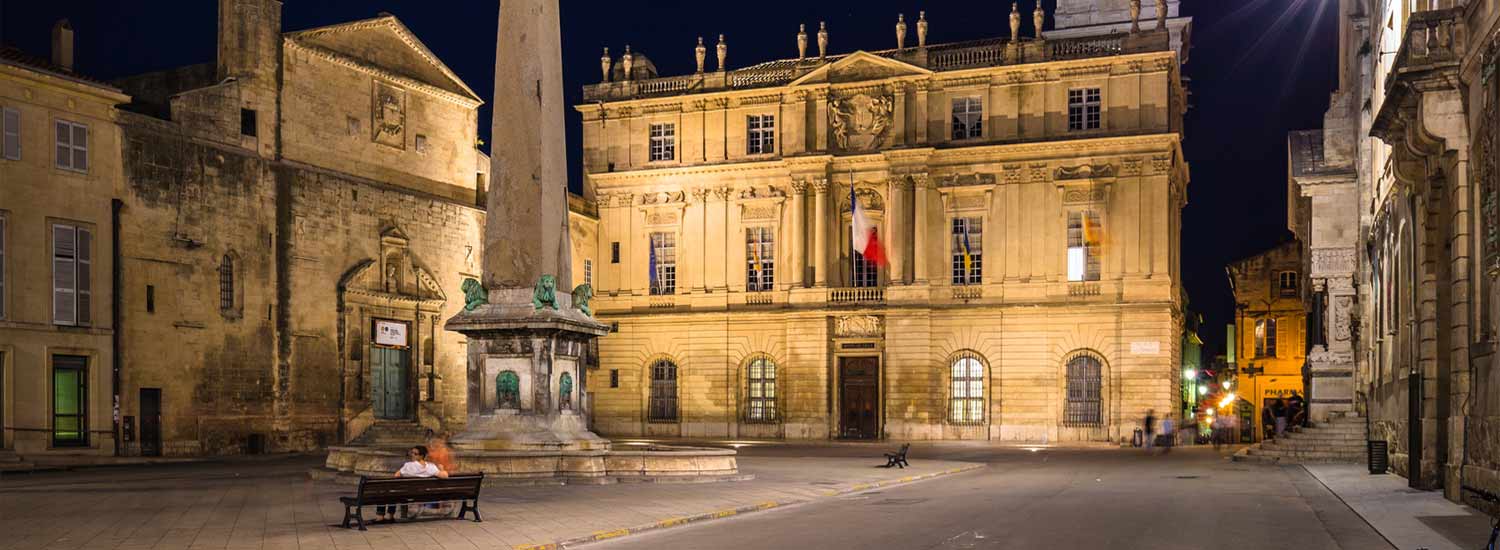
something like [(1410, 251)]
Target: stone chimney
[(62, 44)]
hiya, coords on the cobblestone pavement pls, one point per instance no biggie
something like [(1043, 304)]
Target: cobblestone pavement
[(273, 505)]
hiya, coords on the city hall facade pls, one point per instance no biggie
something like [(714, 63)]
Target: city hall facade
[(1027, 192)]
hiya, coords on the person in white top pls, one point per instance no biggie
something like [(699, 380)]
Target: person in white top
[(416, 466)]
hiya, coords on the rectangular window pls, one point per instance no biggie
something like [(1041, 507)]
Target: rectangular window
[(968, 251), (588, 272), (663, 142), (1287, 284), (760, 257), (150, 299), (866, 273), (2, 269), (71, 268), (968, 118), (1265, 338), (663, 264), (72, 146), (614, 252), (69, 401), (614, 378), (10, 134), (1085, 109), (760, 134), (1085, 238), (247, 122)]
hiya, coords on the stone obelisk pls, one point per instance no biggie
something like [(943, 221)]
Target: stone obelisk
[(527, 340)]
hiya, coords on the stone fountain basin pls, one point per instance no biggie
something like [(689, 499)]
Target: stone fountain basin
[(654, 463)]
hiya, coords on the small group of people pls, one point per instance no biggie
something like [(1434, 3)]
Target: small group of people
[(431, 460), (1167, 437), (1222, 429), (1283, 413)]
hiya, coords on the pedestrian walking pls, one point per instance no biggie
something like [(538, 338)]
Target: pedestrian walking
[(1150, 425), (417, 465), (1279, 410), (1296, 412)]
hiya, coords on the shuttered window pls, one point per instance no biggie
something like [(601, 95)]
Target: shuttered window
[(2, 267), (72, 146), (72, 268), (10, 134)]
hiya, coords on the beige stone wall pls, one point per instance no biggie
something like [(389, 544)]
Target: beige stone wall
[(1023, 320), (34, 195), (1258, 297)]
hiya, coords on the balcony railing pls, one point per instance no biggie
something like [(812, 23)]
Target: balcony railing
[(1434, 39), (967, 293), (864, 295), (940, 57)]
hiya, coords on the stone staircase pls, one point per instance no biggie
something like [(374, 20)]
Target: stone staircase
[(392, 434), (11, 462), (1338, 440)]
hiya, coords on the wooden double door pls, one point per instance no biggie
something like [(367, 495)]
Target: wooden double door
[(390, 383), (859, 397)]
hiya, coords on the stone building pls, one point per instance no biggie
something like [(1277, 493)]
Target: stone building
[(1027, 193), (1270, 328), (1414, 126), (296, 221), (59, 171)]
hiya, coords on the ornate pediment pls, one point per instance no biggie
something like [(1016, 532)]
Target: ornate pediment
[(395, 275), (869, 199), (860, 67), (386, 45)]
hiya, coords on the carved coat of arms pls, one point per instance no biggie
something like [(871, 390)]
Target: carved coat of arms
[(860, 123), (389, 115)]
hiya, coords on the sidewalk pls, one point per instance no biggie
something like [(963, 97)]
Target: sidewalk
[(1408, 518), (272, 505)]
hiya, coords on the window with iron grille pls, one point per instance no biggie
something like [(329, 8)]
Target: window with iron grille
[(614, 252), (966, 389), (968, 251), (761, 402), (1085, 235), (663, 142), (72, 274), (1265, 337), (760, 258), (866, 274), (663, 264), (663, 392), (70, 400), (226, 283), (588, 272), (1085, 391), (1085, 109), (72, 146), (760, 134), (1286, 283), (968, 118), (2, 266), (10, 134)]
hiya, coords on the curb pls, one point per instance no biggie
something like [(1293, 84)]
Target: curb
[(731, 512)]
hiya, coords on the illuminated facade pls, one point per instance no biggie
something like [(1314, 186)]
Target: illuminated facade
[(1028, 194)]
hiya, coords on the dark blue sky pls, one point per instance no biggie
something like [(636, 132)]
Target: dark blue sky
[(1256, 72)]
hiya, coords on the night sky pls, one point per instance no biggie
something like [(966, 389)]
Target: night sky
[(1258, 69)]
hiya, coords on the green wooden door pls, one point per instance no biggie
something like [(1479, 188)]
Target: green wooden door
[(388, 386)]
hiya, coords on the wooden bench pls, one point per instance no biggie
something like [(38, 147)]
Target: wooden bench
[(897, 458), (375, 491)]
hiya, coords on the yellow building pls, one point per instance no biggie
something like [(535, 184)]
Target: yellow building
[(59, 170), (1027, 192), (1271, 328)]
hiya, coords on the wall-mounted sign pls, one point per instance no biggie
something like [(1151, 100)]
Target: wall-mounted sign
[(390, 333), (1145, 348)]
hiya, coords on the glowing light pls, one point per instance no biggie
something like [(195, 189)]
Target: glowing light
[(1202, 390), (1228, 399), (1225, 384), (1189, 373)]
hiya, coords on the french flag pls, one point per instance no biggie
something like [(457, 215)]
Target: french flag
[(866, 238)]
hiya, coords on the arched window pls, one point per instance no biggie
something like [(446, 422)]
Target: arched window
[(1085, 391), (226, 283), (508, 390), (760, 405), (565, 392), (663, 392), (966, 389)]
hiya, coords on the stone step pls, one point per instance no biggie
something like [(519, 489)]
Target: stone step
[(1309, 455), (1311, 446), (8, 456), (392, 434), (1323, 436)]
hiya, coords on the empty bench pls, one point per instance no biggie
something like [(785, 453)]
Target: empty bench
[(374, 491), (898, 458)]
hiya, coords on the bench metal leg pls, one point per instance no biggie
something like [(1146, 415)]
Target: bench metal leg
[(355, 513), (467, 507)]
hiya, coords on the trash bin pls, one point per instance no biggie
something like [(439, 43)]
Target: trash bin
[(1379, 457)]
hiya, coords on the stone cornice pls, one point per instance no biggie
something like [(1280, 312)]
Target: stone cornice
[(352, 63), (402, 32)]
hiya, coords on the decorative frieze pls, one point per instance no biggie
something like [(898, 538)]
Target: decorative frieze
[(860, 122), (1332, 260), (966, 180), (665, 197), (1038, 172), (1079, 195), (1086, 171), (858, 326)]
